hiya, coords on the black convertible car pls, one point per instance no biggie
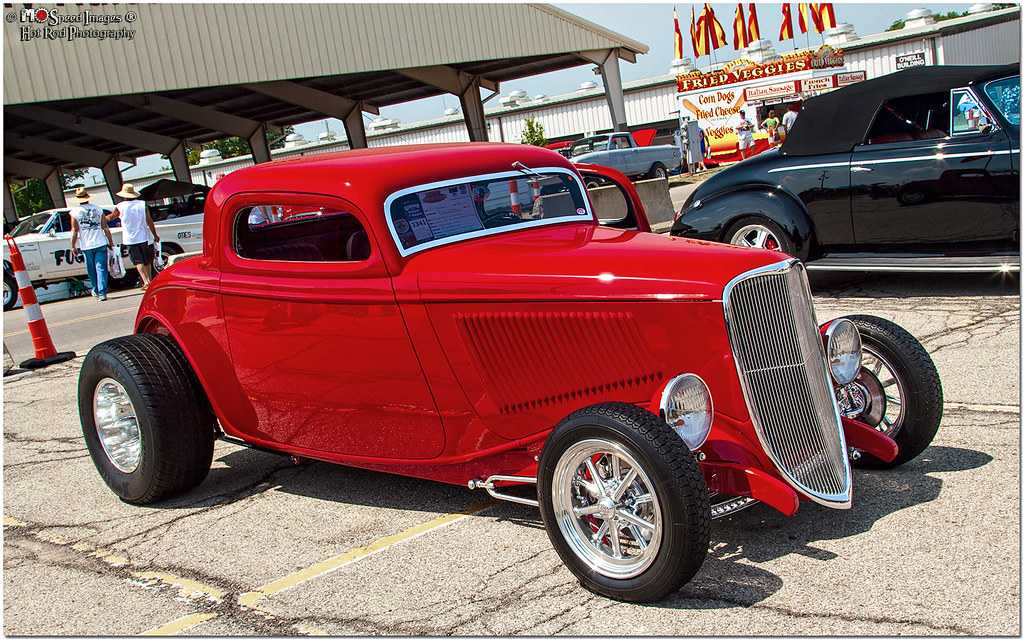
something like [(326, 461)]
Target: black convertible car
[(917, 170)]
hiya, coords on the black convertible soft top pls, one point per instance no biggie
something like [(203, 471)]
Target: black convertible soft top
[(838, 121)]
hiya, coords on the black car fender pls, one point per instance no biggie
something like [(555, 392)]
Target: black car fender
[(712, 218)]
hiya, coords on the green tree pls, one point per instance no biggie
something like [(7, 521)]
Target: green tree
[(71, 177), (31, 198), (232, 147), (939, 17), (532, 133)]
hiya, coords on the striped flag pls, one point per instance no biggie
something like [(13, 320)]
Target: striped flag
[(715, 33), (678, 36), (827, 14), (804, 17), (699, 34), (815, 15), (740, 37), (786, 23), (753, 25)]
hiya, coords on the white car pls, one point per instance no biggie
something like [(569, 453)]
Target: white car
[(44, 240)]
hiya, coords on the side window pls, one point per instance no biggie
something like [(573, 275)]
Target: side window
[(288, 233), (967, 114), (64, 223), (916, 117), (622, 142)]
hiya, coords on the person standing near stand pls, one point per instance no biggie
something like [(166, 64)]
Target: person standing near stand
[(770, 124), (744, 129), (138, 232), (88, 222)]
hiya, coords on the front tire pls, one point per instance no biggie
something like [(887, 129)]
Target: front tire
[(10, 291), (902, 386), (146, 420), (624, 502)]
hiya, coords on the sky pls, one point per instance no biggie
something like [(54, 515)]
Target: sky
[(650, 24)]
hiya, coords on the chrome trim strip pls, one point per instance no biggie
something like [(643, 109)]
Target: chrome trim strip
[(485, 232), (939, 156), (1004, 268), (841, 499)]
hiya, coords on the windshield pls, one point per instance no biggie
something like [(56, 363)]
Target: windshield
[(589, 145), (443, 212), (1004, 94), (32, 224)]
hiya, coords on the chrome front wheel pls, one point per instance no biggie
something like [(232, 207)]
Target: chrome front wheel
[(117, 425), (607, 508), (756, 236)]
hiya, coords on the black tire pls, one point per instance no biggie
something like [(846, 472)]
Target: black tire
[(175, 423), (667, 471), (892, 353), (658, 170), (748, 228), (10, 290), (593, 183)]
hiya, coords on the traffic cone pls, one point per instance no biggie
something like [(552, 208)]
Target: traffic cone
[(46, 354), (513, 188)]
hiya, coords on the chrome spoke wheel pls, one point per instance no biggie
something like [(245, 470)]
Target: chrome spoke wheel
[(756, 236), (884, 393), (607, 508), (117, 425)]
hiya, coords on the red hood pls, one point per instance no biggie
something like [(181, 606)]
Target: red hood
[(581, 262)]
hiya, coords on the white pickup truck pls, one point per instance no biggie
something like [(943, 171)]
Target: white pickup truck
[(44, 241), (621, 151)]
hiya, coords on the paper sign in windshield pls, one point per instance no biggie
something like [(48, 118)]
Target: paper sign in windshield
[(449, 211)]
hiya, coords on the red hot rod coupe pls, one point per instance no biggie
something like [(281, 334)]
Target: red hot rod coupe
[(459, 313)]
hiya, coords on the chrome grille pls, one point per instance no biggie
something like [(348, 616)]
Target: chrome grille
[(781, 364)]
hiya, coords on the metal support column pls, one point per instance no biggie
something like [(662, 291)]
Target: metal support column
[(611, 74), (355, 129), (56, 188), (472, 109), (260, 147), (112, 175), (10, 211), (179, 163)]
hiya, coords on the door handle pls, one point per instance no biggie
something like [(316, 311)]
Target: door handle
[(860, 169)]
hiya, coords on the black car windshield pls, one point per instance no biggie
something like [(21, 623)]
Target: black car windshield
[(439, 213), (588, 145), (32, 224), (1004, 94)]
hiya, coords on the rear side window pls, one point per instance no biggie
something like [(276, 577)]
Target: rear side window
[(916, 117), (440, 213), (288, 233), (967, 113)]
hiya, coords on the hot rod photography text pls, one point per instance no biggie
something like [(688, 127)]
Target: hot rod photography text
[(580, 319)]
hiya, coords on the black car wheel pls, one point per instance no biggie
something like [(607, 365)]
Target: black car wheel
[(10, 290), (759, 232), (900, 387), (166, 251), (624, 502), (146, 420)]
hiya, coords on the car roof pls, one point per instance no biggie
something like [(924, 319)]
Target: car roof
[(837, 121)]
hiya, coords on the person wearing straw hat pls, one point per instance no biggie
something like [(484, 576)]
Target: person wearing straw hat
[(89, 226), (138, 231)]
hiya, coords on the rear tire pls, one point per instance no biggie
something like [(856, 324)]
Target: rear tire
[(146, 420), (165, 253), (642, 530), (759, 232), (658, 171), (907, 400)]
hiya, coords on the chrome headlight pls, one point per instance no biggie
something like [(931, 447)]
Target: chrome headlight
[(845, 351), (687, 407)]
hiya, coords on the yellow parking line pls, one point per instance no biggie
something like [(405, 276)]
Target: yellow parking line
[(78, 319), (250, 598), (186, 622), (986, 408), (10, 521), (188, 588)]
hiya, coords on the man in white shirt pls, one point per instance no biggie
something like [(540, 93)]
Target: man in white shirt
[(789, 118), (138, 230), (744, 129), (89, 225)]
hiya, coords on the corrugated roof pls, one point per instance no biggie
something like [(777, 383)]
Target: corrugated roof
[(945, 27)]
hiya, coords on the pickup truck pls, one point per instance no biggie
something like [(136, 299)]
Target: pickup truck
[(621, 151), (44, 240)]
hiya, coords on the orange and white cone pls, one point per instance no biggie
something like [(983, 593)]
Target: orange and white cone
[(513, 188), (536, 188), (46, 353)]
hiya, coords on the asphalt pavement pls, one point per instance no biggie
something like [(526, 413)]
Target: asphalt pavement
[(265, 547)]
